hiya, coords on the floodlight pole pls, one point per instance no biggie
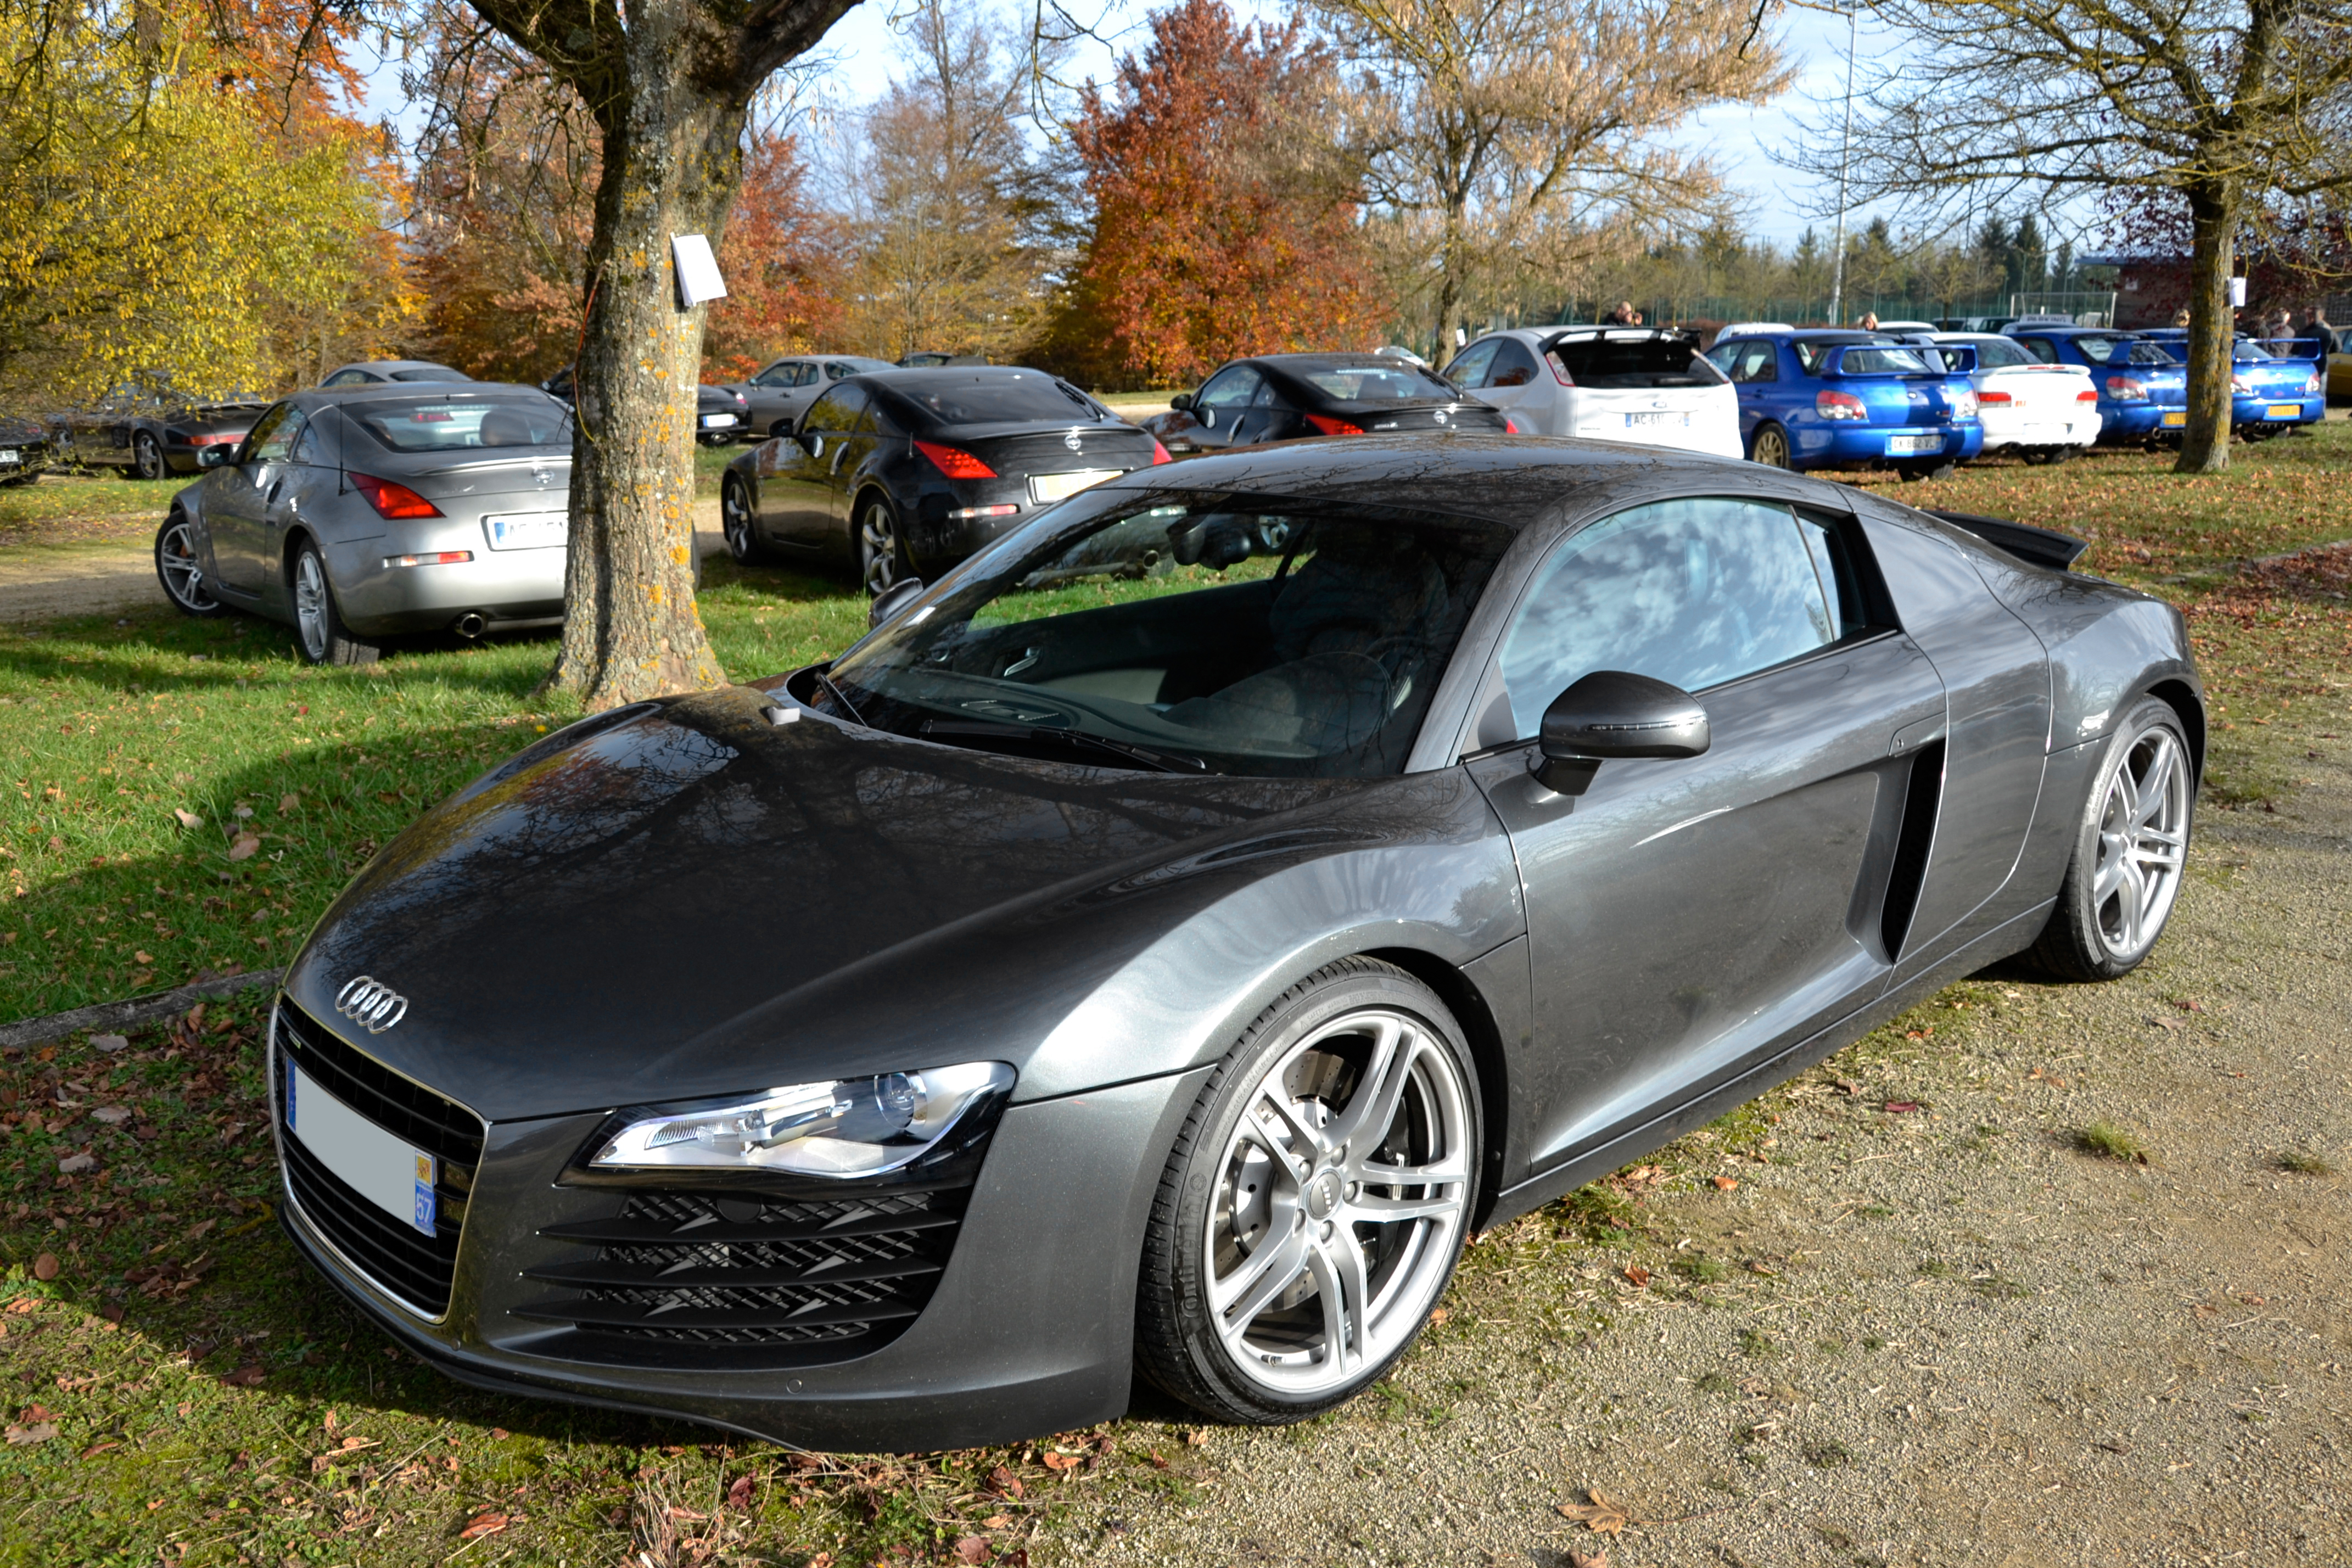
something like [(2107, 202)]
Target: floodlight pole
[(1845, 151)]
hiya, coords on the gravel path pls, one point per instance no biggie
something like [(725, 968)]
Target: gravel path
[(1936, 1336), (37, 585)]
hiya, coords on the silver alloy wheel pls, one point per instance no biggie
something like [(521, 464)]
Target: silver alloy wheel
[(310, 605), (877, 550), (183, 575), (145, 457), (2143, 841), (735, 516), (1333, 1227)]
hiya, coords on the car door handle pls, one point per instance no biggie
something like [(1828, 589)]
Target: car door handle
[(1911, 737), (274, 485), (839, 447)]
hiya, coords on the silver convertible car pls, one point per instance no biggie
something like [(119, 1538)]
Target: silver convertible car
[(358, 513), (1165, 938)]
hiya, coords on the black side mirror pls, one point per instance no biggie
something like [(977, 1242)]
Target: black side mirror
[(891, 600), (216, 457), (1181, 401), (1612, 713)]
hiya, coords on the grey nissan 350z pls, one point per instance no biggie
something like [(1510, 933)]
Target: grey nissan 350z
[(1169, 935)]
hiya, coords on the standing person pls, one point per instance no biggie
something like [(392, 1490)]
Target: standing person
[(1869, 322), (2316, 325), (1624, 316), (2181, 318)]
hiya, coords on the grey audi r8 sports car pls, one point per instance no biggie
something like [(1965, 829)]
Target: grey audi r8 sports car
[(1164, 939), (360, 512)]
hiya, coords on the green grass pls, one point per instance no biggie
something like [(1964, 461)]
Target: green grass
[(64, 498), (2305, 1164), (2110, 1141)]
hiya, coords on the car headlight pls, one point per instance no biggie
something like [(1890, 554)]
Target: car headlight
[(850, 1127)]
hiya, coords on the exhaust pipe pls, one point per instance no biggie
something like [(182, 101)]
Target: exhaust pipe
[(471, 624)]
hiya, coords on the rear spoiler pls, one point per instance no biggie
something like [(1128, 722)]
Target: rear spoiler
[(1958, 359), (2035, 547)]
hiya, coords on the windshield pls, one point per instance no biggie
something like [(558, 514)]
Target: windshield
[(1596, 360), (1233, 633), (449, 424), (430, 373), (1030, 397), (1390, 381)]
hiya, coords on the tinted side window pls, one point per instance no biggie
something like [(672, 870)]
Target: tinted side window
[(1810, 356), (274, 436), (836, 410), (1230, 388), (2043, 350), (1469, 366), (1692, 591), (346, 378), (1514, 365), (1754, 362)]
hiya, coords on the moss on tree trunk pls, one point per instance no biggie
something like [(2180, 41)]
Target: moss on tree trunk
[(2212, 327)]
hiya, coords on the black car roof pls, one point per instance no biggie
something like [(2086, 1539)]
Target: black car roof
[(387, 391)]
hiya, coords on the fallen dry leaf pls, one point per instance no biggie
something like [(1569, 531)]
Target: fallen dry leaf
[(288, 802), (1439, 1314), (1197, 1437), (1597, 1558), (483, 1524), (1638, 1275), (109, 1043), (739, 1496), (75, 1164), (246, 1376), (188, 819), (1062, 1461), (243, 849), (996, 1521), (1723, 1184), (1899, 1107), (2188, 1003), (973, 1549), (39, 1431), (112, 1115), (1596, 1514), (1004, 1482), (44, 1267)]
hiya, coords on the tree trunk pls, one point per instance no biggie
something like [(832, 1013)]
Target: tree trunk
[(631, 628), (2213, 218)]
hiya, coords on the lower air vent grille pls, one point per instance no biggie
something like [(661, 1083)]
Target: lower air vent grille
[(776, 1279)]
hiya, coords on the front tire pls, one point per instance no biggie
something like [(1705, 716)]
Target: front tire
[(1769, 447), (146, 457), (881, 549), (318, 629), (2130, 850), (735, 520), (1315, 1202), (1914, 472), (180, 569)]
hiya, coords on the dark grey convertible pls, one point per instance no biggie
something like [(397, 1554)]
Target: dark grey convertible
[(1172, 933)]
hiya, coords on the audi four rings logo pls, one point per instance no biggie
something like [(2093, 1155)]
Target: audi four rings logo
[(371, 1004), (1071, 440)]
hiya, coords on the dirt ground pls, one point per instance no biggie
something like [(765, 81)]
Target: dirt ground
[(108, 567), (1943, 1335)]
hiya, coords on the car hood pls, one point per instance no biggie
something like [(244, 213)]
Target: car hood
[(682, 898)]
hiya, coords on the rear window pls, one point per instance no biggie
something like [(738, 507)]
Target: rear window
[(1883, 362), (1632, 362), (1031, 398), (1996, 354), (451, 424), (430, 373), (1391, 380)]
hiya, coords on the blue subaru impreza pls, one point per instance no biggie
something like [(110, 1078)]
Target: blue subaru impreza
[(1823, 399), (2143, 388), (2270, 391)]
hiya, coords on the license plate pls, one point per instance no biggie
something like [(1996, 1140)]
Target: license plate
[(2181, 418), (2284, 411), (1912, 445), (1045, 488), (527, 530), (1648, 421), (395, 1176), (718, 421)]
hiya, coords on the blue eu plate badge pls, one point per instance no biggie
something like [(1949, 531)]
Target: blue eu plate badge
[(424, 1193)]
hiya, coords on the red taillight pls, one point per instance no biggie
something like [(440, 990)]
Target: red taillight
[(1558, 367), (215, 440), (1511, 426), (1160, 453), (2000, 399), (1330, 426), (2125, 389), (1840, 405), (954, 461), (2086, 395), (432, 558), (391, 500)]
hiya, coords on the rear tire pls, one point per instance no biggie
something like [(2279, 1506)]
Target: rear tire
[(318, 629), (147, 458), (1286, 1267), (2130, 849), (1769, 447), (881, 548)]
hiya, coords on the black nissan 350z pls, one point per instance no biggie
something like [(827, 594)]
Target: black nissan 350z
[(903, 473)]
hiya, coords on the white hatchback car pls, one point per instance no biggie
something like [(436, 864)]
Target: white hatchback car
[(2044, 413), (1643, 384)]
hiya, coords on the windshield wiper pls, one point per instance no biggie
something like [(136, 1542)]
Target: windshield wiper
[(826, 681), (953, 730)]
